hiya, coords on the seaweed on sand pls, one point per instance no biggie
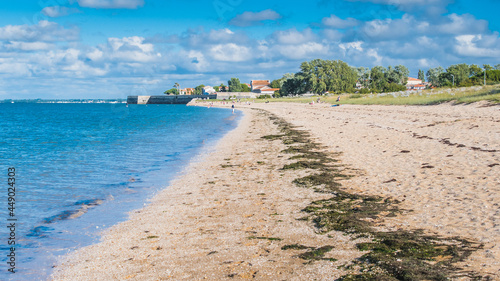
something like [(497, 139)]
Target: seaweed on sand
[(394, 255)]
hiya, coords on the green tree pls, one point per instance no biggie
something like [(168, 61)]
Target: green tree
[(328, 75), (392, 76), (493, 75), (497, 67), (199, 89), (433, 75), (446, 79), (234, 85), (294, 85), (378, 78), (394, 87), (460, 72), (421, 75), (487, 67), (475, 70), (276, 83), (363, 76), (222, 87), (216, 88), (172, 91), (245, 88), (403, 73)]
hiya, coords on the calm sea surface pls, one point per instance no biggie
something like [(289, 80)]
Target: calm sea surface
[(79, 168)]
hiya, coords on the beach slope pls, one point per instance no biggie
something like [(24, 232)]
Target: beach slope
[(236, 213)]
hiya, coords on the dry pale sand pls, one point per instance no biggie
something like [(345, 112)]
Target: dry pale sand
[(441, 161)]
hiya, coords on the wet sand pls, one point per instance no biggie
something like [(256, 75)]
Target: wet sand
[(228, 215)]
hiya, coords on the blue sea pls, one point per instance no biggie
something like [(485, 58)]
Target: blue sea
[(80, 168)]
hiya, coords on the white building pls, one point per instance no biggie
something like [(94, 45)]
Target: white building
[(208, 90)]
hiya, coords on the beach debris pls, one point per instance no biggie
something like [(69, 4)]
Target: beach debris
[(391, 180), (404, 254)]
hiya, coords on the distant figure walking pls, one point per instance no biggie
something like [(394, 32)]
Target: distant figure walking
[(338, 99), (232, 106)]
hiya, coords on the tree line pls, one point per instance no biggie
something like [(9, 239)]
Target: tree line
[(234, 85), (335, 76), (321, 76)]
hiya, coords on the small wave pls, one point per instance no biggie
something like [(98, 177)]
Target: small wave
[(39, 231), (85, 205)]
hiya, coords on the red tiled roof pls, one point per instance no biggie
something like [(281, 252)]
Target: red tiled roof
[(413, 79), (260, 82), (261, 87)]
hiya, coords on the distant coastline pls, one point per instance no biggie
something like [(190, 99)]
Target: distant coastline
[(64, 101)]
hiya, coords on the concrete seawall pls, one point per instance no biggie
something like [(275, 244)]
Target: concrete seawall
[(180, 99)]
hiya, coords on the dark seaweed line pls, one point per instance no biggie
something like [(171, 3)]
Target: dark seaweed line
[(393, 255)]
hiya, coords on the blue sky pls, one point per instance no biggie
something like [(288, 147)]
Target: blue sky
[(114, 48)]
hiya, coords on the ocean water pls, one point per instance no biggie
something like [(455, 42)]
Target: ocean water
[(79, 168)]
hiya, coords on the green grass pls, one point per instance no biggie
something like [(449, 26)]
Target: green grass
[(430, 97), (425, 97)]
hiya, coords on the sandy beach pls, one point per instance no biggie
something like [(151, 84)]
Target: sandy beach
[(231, 212)]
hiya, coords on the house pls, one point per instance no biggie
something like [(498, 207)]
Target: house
[(418, 87), (257, 85), (187, 91), (268, 91), (412, 82), (208, 90)]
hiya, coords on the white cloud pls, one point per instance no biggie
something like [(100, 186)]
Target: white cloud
[(111, 4), (127, 49), (80, 69), (43, 31), (272, 65), (14, 68), (95, 55), (374, 54), (29, 46), (292, 36), (335, 22), (130, 43), (352, 45), (251, 18), (58, 11), (193, 60), (467, 45), (230, 52), (462, 24), (432, 7), (200, 39), (378, 30), (303, 51)]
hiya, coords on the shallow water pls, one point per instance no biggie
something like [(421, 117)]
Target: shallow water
[(80, 168)]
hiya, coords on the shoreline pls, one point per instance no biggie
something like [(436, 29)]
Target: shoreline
[(234, 220)]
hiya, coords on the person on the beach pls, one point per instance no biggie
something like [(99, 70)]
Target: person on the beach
[(232, 106), (338, 99)]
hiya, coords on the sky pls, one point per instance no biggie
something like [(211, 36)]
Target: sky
[(74, 49)]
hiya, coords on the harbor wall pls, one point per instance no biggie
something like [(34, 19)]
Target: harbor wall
[(180, 99)]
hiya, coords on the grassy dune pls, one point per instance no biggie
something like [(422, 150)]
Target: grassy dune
[(425, 97)]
